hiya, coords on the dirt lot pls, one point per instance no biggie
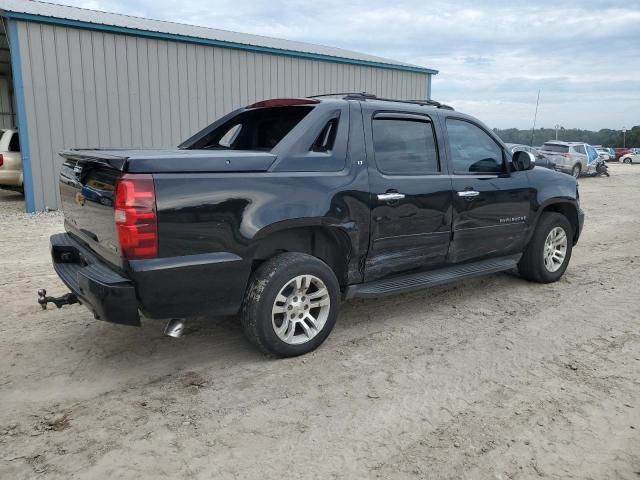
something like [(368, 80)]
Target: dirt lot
[(490, 378)]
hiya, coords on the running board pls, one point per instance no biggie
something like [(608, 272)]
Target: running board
[(441, 276)]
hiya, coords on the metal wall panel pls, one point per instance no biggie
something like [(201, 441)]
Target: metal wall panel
[(95, 89), (7, 118)]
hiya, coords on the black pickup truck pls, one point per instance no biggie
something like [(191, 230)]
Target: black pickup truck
[(280, 210)]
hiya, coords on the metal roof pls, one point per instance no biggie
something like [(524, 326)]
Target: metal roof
[(93, 19)]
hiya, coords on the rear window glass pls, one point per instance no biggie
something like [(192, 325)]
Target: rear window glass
[(256, 129), (14, 144), (552, 147)]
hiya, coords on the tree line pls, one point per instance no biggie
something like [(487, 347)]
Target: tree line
[(605, 137)]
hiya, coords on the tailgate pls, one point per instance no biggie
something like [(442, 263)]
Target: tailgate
[(87, 187)]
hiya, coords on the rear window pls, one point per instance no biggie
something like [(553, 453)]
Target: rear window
[(255, 129), (14, 144), (552, 147)]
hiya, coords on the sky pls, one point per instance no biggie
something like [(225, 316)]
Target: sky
[(493, 56)]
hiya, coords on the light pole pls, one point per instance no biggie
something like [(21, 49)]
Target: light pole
[(557, 128), (624, 137)]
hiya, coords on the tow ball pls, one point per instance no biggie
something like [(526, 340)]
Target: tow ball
[(66, 299)]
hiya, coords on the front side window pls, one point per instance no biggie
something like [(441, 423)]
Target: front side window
[(580, 149), (405, 147), (472, 149)]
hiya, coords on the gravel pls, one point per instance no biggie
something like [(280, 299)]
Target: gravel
[(420, 385)]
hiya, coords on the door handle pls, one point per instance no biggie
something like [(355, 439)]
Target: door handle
[(468, 193), (390, 196)]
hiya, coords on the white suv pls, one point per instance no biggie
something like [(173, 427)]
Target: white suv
[(10, 160), (569, 157)]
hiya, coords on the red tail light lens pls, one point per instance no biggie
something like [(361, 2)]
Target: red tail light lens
[(1, 160), (135, 216)]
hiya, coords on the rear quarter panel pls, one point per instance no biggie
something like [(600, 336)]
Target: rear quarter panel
[(231, 212)]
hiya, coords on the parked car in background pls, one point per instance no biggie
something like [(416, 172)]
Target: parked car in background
[(630, 158), (612, 154), (620, 152), (10, 160), (604, 153), (541, 160), (592, 154), (569, 157)]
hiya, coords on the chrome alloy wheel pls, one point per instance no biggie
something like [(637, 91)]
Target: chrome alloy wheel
[(300, 309), (555, 249)]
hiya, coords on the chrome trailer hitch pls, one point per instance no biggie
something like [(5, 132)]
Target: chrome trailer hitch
[(66, 299)]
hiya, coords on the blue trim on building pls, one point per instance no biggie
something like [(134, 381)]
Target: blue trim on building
[(21, 111), (206, 41)]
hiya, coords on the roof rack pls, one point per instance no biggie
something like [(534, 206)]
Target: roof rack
[(370, 96), (347, 95)]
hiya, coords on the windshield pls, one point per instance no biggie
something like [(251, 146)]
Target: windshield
[(255, 129)]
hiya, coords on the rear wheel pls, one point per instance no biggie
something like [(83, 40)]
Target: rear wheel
[(291, 304), (547, 255), (575, 171)]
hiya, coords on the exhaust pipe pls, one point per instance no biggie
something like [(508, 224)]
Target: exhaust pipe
[(174, 328)]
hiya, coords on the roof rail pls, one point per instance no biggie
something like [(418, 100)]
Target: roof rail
[(346, 95), (370, 96)]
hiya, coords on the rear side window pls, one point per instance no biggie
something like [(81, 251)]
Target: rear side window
[(552, 147), (256, 129), (579, 149), (405, 147), (327, 137), (472, 149), (14, 144)]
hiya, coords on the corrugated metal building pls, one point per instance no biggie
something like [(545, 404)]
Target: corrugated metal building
[(81, 78)]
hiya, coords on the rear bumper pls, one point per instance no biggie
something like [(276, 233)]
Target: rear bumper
[(169, 287), (107, 294), (11, 178)]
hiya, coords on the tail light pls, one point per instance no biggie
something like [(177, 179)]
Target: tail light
[(1, 160), (135, 216)]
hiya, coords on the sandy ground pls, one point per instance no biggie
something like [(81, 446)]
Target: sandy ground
[(489, 378)]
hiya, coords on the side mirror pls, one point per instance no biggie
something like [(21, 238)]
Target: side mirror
[(523, 161)]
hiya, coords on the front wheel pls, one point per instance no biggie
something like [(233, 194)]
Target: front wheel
[(291, 304), (549, 251), (627, 160), (575, 171)]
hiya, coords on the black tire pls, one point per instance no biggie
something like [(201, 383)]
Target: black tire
[(575, 171), (532, 264), (627, 160), (265, 284)]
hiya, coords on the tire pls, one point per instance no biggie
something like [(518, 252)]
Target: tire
[(286, 329), (575, 171), (532, 265), (627, 160)]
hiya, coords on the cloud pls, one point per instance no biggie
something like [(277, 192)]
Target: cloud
[(584, 55)]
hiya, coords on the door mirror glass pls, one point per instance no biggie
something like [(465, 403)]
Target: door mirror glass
[(523, 161)]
